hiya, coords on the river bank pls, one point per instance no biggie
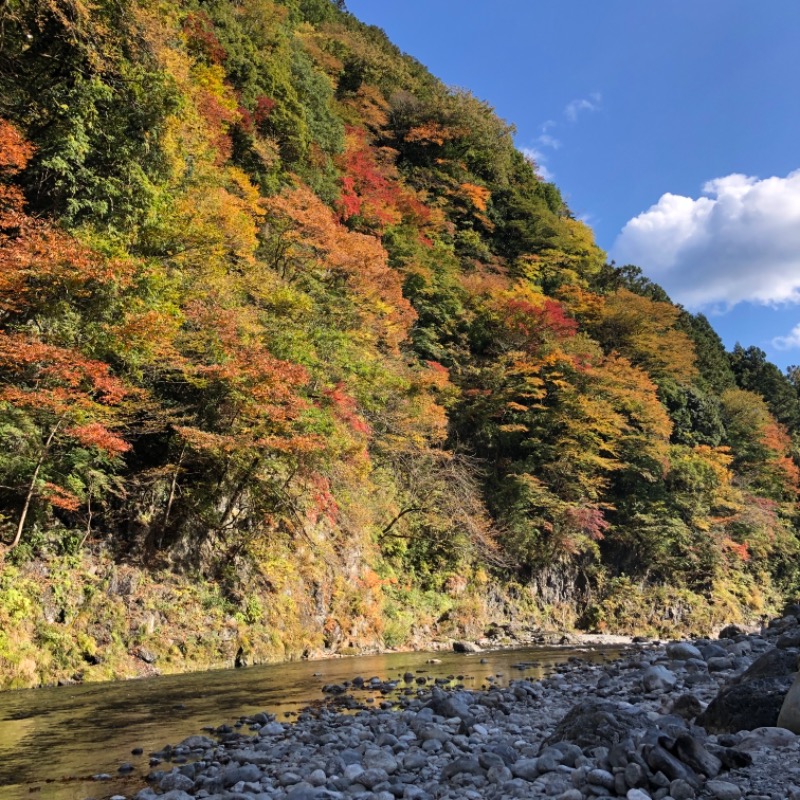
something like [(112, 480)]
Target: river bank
[(668, 722), (86, 618)]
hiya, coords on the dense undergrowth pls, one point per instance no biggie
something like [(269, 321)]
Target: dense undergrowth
[(298, 353)]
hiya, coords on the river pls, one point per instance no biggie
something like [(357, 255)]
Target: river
[(53, 740)]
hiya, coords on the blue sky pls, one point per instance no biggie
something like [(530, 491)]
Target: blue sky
[(672, 128)]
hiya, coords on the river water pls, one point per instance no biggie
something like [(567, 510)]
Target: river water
[(54, 740)]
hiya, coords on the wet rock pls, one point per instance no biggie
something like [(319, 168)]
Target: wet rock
[(466, 647), (197, 743)]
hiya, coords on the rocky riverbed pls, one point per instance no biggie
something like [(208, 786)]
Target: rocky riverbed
[(666, 722)]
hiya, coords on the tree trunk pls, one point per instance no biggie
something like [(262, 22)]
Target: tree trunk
[(32, 486)]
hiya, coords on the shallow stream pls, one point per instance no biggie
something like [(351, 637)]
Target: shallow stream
[(53, 740)]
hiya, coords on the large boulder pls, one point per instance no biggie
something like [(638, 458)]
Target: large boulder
[(773, 663), (598, 723), (789, 716), (746, 706)]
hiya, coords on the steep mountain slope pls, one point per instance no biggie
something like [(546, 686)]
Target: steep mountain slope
[(297, 351)]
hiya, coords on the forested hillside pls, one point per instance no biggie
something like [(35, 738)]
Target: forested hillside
[(298, 352)]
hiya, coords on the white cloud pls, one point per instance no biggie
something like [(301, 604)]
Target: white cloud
[(739, 242), (538, 158), (546, 140), (788, 342), (575, 107)]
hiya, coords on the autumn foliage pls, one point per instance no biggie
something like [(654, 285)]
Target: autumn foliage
[(278, 306)]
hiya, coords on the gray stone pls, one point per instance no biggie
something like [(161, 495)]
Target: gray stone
[(175, 780), (789, 640), (789, 715), (637, 794), (687, 706), (198, 743), (499, 774), (722, 790), (719, 663), (526, 768), (692, 753), (681, 790), (681, 651), (658, 679), (600, 777), (271, 729), (247, 772), (489, 760), (317, 777), (352, 772), (380, 759), (767, 738), (464, 764), (635, 775), (712, 650), (303, 793), (659, 760)]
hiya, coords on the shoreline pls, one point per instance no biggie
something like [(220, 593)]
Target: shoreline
[(554, 639), (651, 725)]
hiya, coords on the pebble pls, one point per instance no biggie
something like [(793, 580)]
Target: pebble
[(628, 729)]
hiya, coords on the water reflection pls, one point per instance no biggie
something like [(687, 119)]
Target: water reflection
[(53, 740)]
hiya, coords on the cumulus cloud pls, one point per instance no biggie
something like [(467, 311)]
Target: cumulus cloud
[(575, 107), (789, 342), (738, 242)]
